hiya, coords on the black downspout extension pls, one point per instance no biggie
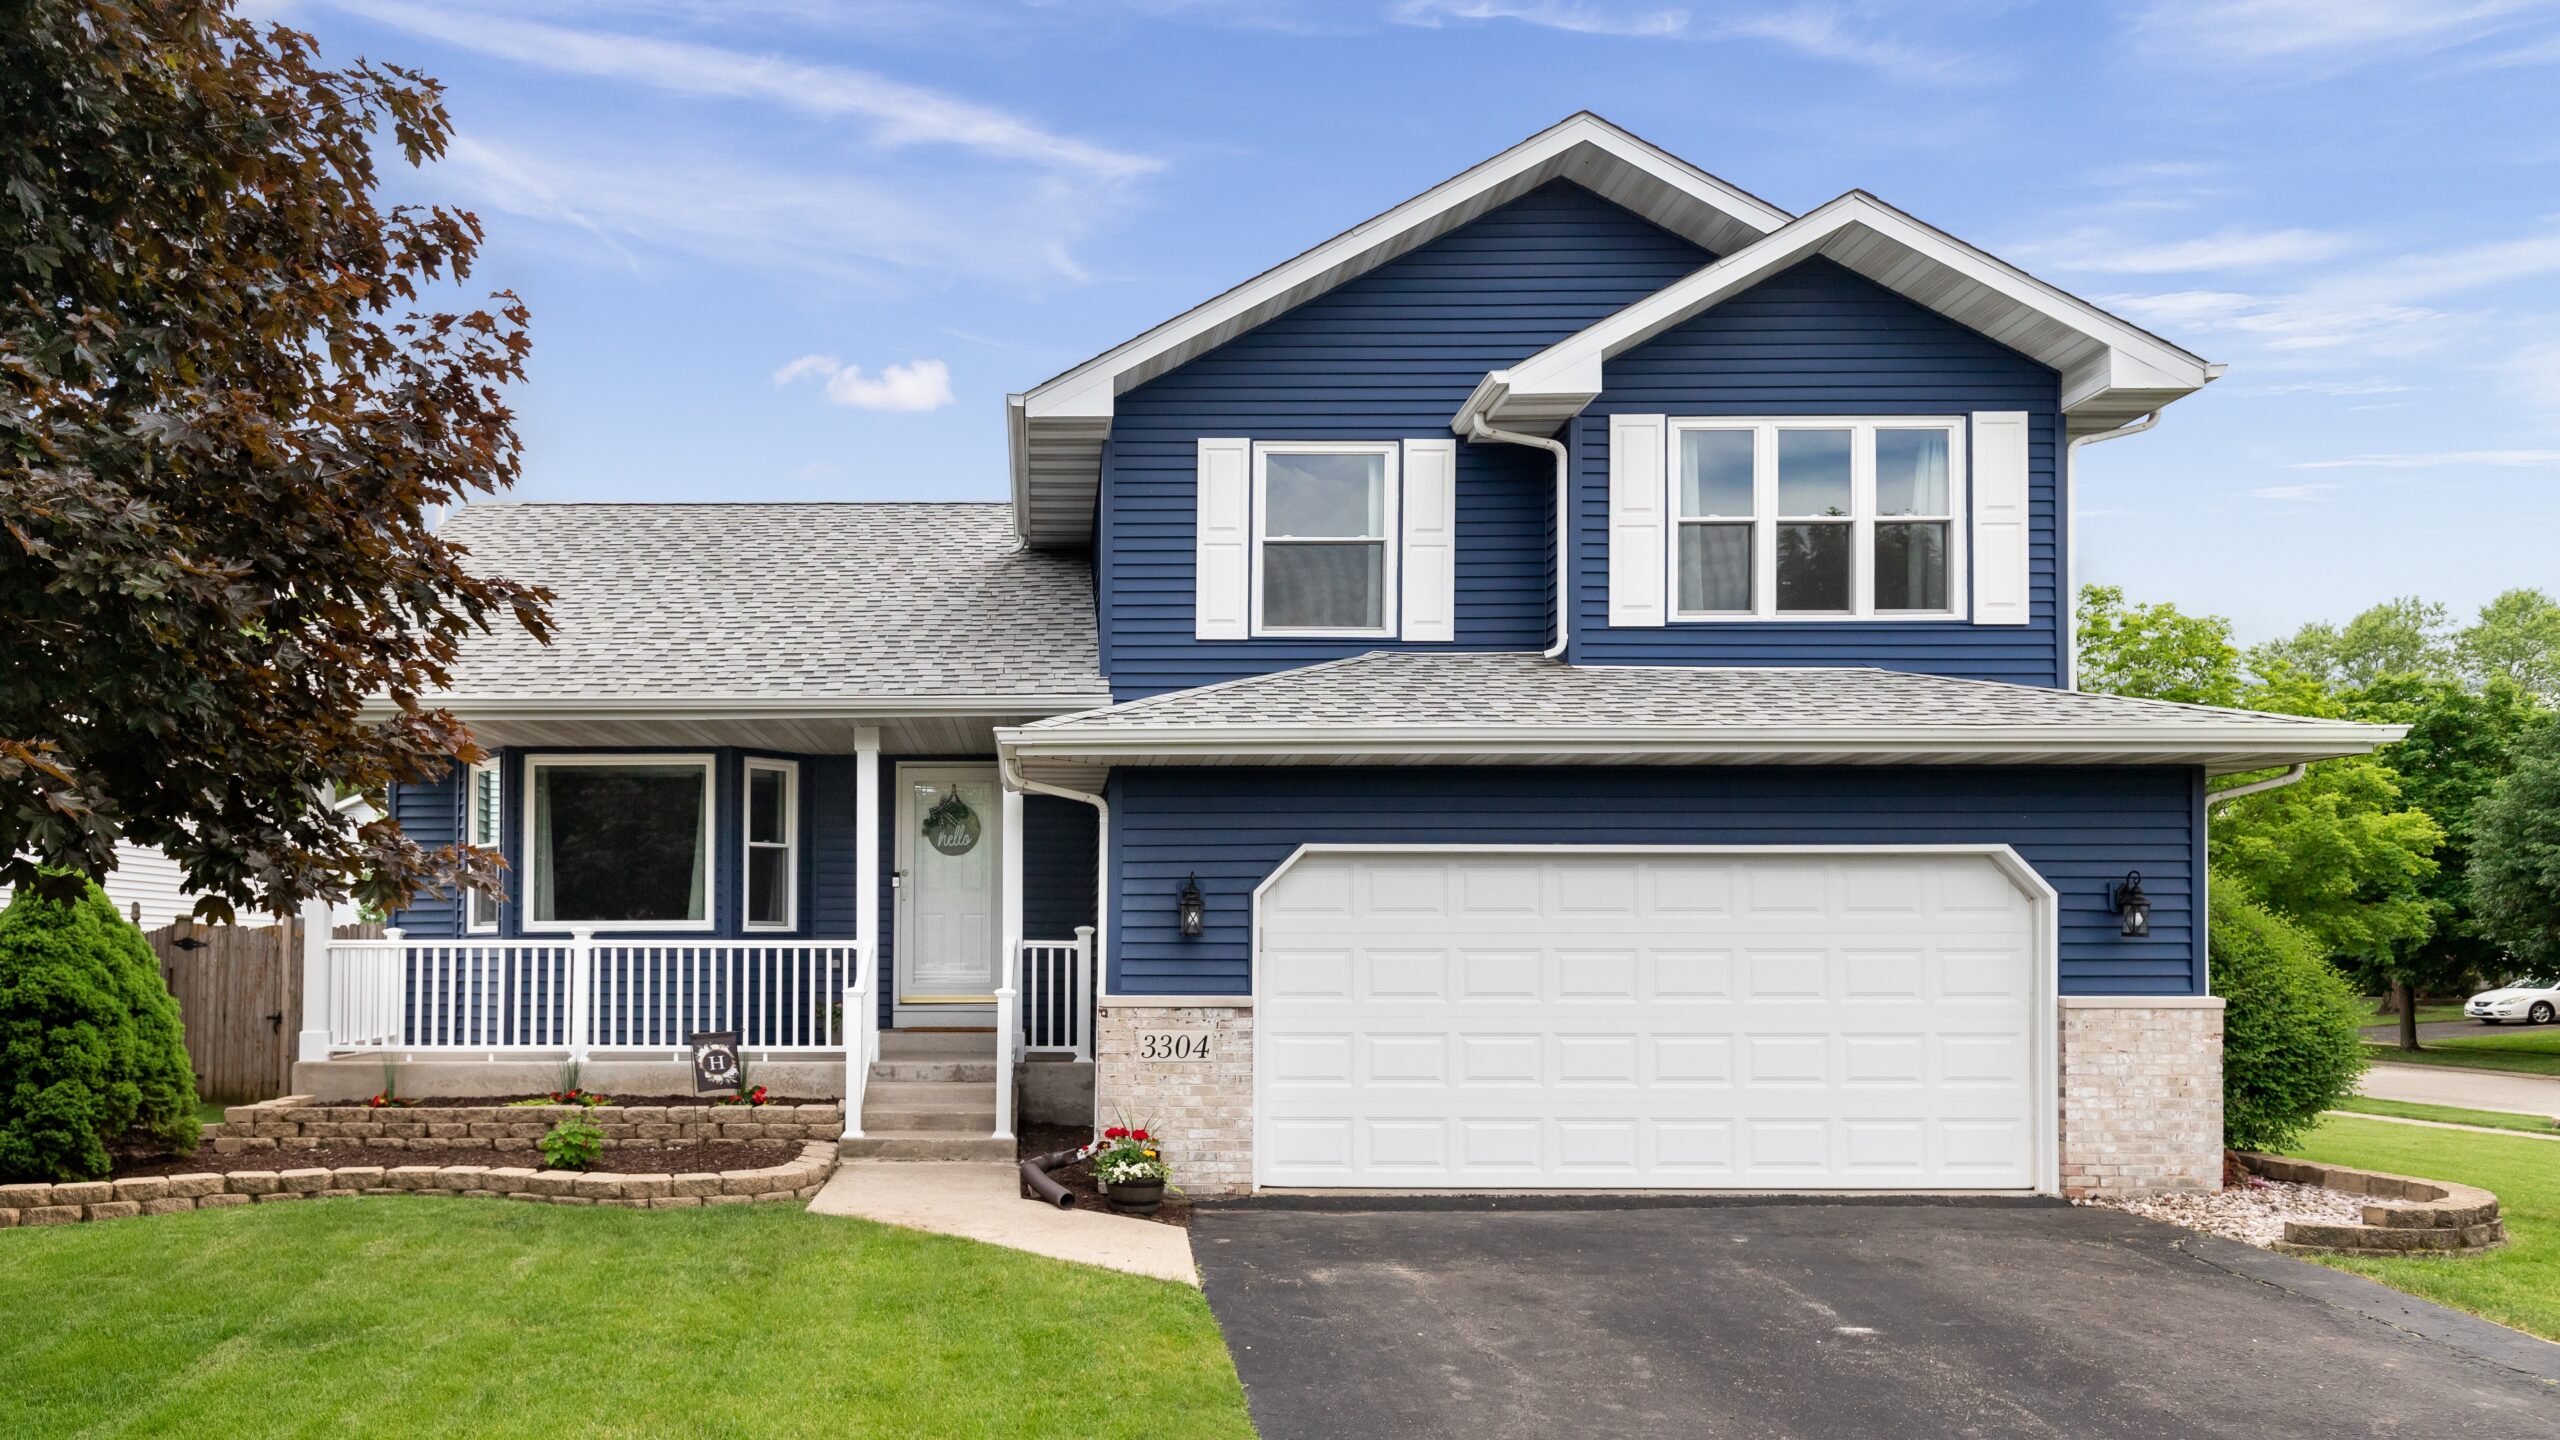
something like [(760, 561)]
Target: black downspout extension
[(1035, 1175)]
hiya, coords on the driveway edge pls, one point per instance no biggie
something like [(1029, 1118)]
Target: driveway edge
[(2465, 1334)]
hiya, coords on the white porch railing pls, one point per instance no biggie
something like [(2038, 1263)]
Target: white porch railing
[(582, 994), (1057, 995)]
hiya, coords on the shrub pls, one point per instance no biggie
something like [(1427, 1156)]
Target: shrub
[(573, 1144), (91, 1050), (2291, 1046)]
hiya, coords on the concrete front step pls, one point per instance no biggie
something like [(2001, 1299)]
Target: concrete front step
[(937, 1044), (945, 1071), (972, 1095), (974, 1120), (923, 1145)]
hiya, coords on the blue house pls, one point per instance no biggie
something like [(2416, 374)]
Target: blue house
[(1566, 684)]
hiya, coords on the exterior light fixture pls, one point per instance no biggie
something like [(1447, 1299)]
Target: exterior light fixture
[(2133, 907), (1193, 908)]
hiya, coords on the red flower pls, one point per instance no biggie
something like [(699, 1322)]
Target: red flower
[(1114, 1133), (1137, 1134)]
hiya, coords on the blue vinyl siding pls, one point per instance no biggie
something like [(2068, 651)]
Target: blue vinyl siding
[(1388, 356), (2081, 828), (1820, 340), (430, 814)]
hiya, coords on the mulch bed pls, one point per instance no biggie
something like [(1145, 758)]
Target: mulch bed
[(482, 1102), (617, 1160), (1078, 1181)]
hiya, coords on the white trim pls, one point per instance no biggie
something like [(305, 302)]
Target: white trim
[(471, 828), (2040, 894), (2106, 363), (529, 926), (902, 856), (758, 707), (748, 845), (1389, 453), (1861, 522), (2141, 1002), (1177, 1002)]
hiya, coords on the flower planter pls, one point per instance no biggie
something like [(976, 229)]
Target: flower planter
[(1138, 1197)]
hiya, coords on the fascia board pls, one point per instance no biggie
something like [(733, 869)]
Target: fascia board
[(759, 707), (2322, 738)]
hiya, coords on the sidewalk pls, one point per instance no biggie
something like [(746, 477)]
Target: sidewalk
[(982, 1200), (2470, 1089)]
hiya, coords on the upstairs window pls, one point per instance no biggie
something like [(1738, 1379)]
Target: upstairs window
[(1324, 522), (480, 827), (1816, 518), (773, 828)]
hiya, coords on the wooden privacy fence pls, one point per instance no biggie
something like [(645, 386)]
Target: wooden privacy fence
[(239, 991)]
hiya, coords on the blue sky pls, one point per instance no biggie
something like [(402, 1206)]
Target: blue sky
[(793, 249)]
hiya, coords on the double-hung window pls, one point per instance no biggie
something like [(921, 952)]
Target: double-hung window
[(1324, 527), (1817, 518), (773, 828), (618, 842), (480, 827)]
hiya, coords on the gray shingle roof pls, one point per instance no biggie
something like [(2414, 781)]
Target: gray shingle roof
[(816, 601), (1419, 705)]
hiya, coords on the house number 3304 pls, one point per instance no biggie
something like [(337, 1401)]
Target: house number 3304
[(1173, 1044)]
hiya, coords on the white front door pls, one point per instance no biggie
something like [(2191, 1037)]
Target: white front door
[(1567, 1018), (950, 836)]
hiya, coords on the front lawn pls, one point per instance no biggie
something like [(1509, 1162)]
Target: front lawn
[(433, 1316), (2518, 1285), (2450, 1114), (2427, 1014), (2534, 1050)]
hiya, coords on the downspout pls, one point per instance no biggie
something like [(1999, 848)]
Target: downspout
[(1014, 779), (2254, 787), (2071, 540), (1480, 431)]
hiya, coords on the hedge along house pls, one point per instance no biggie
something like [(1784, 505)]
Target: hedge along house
[(1574, 681)]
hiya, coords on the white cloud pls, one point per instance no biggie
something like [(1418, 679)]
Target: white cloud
[(2334, 31), (898, 113), (916, 385), (2228, 249), (2431, 460), (2292, 493), (1822, 31)]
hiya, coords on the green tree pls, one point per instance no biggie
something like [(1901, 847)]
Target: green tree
[(2156, 651), (225, 426), (2339, 856), (2515, 855), (91, 1051), (2291, 1046), (2406, 636), (2516, 638)]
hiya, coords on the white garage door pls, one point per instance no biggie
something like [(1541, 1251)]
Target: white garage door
[(1619, 1020)]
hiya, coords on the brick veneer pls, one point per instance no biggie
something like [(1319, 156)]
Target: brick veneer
[(164, 1194), (1201, 1109), (293, 1122), (2141, 1094)]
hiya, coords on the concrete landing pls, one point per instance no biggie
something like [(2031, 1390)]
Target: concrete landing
[(982, 1201)]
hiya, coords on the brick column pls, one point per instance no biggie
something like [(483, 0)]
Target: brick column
[(2141, 1093), (1202, 1110)]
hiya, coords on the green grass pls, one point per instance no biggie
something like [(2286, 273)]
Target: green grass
[(2450, 1114), (437, 1316), (210, 1111), (2534, 1050), (2518, 1285), (2427, 1014)]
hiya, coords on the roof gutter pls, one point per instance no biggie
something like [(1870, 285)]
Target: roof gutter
[(1480, 432), (758, 707)]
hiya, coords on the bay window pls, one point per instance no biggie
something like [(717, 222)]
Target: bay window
[(618, 842), (1816, 518)]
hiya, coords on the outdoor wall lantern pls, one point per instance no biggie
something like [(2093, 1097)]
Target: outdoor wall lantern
[(1193, 907), (2133, 907)]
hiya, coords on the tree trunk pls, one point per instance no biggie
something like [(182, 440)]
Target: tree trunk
[(2407, 995)]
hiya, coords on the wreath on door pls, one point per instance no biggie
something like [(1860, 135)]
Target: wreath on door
[(952, 827)]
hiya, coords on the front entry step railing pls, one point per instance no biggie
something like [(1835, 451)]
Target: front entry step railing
[(1057, 995)]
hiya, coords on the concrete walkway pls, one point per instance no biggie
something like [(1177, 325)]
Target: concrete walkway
[(982, 1200), (2470, 1089), (2443, 1125)]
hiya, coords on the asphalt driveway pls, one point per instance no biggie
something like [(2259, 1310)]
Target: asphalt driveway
[(1808, 1319)]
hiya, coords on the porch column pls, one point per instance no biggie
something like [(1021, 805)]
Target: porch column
[(312, 1042), (1009, 972), (862, 1021)]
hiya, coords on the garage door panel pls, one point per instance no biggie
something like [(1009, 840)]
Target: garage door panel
[(1603, 1021)]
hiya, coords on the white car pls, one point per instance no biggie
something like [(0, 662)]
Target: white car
[(2535, 1002)]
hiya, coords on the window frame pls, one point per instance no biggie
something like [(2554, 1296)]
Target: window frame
[(528, 924), (789, 845), (1765, 519), (1389, 540), (472, 896)]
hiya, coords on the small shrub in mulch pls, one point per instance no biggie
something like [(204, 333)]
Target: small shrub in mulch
[(1078, 1179), (617, 1160), (487, 1102)]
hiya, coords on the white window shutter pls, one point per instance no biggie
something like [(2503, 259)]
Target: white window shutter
[(1430, 561), (1223, 594), (1639, 494), (2000, 518)]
